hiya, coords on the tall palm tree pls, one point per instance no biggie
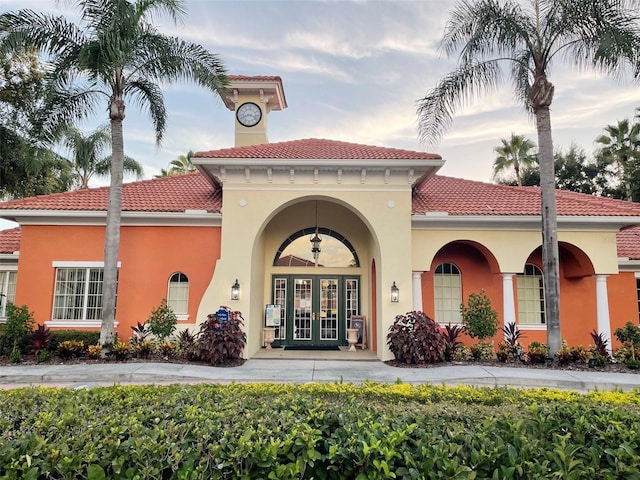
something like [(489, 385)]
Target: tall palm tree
[(620, 148), (525, 38), (183, 164), (115, 54), (87, 157), (514, 153)]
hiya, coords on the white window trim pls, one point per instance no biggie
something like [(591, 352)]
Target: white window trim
[(532, 326), (76, 323), (7, 268), (182, 316), (68, 264)]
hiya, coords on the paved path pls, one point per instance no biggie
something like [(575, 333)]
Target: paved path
[(304, 371)]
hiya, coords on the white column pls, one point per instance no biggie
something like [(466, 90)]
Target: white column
[(417, 291), (508, 302), (602, 302)]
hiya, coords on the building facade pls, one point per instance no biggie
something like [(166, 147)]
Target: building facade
[(326, 231)]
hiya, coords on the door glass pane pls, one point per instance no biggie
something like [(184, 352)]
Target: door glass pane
[(328, 309), (302, 309), (280, 298)]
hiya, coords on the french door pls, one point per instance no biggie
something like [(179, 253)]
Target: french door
[(315, 308)]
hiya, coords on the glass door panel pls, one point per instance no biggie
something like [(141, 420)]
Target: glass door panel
[(302, 309), (329, 309)]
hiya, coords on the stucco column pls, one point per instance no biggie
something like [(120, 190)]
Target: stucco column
[(508, 302), (602, 302), (417, 290)]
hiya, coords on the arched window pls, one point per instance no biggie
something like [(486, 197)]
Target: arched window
[(530, 296), (334, 250), (178, 295), (447, 283)]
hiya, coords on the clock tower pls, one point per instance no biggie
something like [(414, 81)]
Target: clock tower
[(252, 98)]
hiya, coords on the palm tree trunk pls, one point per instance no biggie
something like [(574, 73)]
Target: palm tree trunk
[(112, 234), (550, 256)]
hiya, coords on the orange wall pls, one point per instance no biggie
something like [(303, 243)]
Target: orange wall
[(623, 303), (148, 256), (578, 306)]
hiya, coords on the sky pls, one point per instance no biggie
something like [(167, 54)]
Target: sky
[(352, 71)]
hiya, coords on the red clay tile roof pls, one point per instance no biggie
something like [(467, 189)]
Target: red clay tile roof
[(467, 197), (10, 240), (628, 241), (318, 148), (176, 193)]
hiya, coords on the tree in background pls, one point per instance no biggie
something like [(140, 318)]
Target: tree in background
[(183, 164), (88, 157), (28, 166), (115, 54), (527, 37), (516, 152), (619, 154)]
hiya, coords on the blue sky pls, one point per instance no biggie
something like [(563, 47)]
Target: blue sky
[(353, 71)]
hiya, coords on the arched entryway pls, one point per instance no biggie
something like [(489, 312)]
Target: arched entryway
[(316, 252)]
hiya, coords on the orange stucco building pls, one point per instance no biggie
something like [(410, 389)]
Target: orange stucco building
[(323, 230)]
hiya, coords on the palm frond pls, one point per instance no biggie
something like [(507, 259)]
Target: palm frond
[(435, 111), (49, 34), (483, 29), (172, 59), (148, 96)]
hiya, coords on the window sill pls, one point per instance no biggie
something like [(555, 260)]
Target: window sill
[(182, 317), (76, 323), (532, 326)]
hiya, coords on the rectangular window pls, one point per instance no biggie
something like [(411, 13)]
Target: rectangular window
[(7, 290), (447, 296), (530, 300), (78, 294)]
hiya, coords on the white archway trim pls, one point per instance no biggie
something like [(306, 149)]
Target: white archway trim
[(417, 290), (602, 302)]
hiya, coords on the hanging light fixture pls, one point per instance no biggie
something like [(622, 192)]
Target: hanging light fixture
[(315, 240)]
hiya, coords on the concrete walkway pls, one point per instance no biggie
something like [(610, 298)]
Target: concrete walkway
[(304, 371)]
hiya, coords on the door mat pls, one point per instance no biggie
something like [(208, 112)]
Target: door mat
[(332, 348)]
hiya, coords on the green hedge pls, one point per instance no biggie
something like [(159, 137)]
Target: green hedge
[(335, 431), (59, 336)]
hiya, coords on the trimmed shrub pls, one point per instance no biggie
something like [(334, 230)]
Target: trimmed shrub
[(86, 337), (482, 351), (71, 349), (415, 338), (538, 352)]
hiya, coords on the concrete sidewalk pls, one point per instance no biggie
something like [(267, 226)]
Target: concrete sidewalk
[(304, 371)]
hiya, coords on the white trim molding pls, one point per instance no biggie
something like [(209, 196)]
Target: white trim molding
[(81, 264), (76, 323)]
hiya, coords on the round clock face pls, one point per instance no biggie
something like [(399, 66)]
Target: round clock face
[(248, 114)]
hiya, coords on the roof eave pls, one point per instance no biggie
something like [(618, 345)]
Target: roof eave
[(442, 220), (98, 217)]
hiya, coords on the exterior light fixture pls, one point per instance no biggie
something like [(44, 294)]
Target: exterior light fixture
[(235, 291), (315, 241), (395, 293)]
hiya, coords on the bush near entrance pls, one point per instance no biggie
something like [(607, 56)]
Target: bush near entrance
[(324, 431)]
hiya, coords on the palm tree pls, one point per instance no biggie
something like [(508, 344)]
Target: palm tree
[(182, 164), (116, 54), (86, 155), (514, 153), (620, 148), (526, 37)]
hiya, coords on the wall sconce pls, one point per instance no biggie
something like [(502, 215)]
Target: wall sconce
[(395, 293), (235, 291)]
